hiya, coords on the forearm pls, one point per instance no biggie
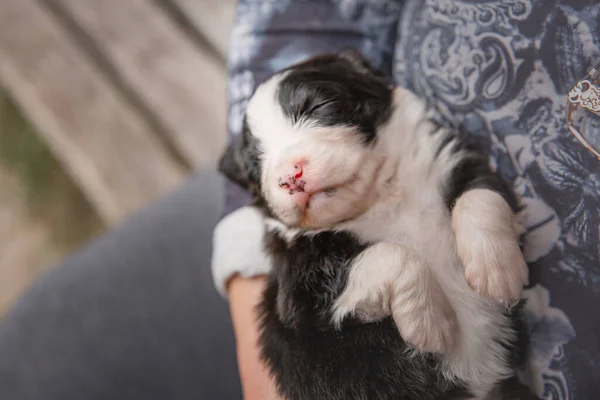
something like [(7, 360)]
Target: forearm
[(244, 294)]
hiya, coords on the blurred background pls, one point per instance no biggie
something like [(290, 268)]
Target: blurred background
[(104, 106)]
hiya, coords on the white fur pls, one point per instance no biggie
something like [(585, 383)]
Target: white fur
[(391, 279), (486, 236), (391, 193), (410, 210)]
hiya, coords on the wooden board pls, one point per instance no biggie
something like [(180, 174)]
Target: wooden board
[(182, 85), (103, 142), (212, 18)]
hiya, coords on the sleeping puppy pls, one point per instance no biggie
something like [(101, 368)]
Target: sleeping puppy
[(394, 247)]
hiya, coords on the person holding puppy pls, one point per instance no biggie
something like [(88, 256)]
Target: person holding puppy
[(502, 71)]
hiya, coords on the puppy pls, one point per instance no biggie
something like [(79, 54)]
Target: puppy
[(394, 247)]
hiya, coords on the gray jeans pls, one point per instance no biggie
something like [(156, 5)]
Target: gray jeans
[(132, 316)]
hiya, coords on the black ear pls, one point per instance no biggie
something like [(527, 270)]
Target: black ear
[(359, 62), (232, 163), (241, 161)]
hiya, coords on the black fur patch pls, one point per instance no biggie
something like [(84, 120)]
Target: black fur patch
[(310, 359), (474, 172), (334, 90), (241, 162)]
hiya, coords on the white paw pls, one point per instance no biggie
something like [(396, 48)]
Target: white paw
[(487, 244), (496, 270)]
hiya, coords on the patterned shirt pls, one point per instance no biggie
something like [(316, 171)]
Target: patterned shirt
[(499, 70)]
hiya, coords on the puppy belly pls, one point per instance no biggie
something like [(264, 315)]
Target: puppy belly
[(478, 357)]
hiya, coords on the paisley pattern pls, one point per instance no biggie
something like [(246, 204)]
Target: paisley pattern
[(501, 71)]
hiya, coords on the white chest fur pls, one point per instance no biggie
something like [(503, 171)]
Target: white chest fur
[(410, 211), (478, 357)]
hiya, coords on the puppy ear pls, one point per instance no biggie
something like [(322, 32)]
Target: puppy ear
[(241, 161), (361, 64), (232, 163), (355, 57)]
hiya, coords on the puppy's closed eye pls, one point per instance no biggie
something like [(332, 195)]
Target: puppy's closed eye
[(321, 106)]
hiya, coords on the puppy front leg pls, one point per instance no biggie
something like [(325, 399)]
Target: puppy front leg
[(487, 243), (390, 279)]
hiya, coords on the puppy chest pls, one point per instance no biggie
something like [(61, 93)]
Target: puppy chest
[(425, 228)]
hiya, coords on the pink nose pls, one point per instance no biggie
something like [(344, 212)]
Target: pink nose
[(291, 179)]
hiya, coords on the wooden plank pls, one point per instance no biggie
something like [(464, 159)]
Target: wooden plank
[(212, 18), (103, 142), (179, 83)]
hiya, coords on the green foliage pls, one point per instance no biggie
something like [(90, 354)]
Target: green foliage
[(50, 193), (24, 153)]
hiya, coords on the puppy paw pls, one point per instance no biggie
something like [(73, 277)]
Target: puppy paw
[(496, 270), (487, 244)]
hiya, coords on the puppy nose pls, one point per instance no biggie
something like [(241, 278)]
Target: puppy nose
[(291, 178)]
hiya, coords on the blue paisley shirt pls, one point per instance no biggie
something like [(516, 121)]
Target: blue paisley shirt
[(501, 71)]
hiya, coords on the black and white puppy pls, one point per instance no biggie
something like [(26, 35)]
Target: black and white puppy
[(394, 247)]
